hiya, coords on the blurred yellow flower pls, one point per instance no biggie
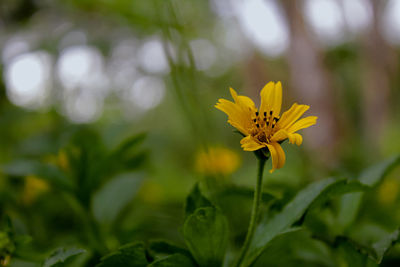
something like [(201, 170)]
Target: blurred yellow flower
[(217, 160), (60, 160), (5, 260), (264, 127), (34, 187), (388, 191)]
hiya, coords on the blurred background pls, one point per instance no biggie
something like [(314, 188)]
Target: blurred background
[(96, 91)]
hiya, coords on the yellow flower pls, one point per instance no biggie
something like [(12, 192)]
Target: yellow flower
[(217, 160), (60, 160), (265, 127), (34, 186)]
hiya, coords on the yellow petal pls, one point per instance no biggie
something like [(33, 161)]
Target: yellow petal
[(295, 138), (282, 134), (228, 107), (250, 144), (277, 99), (290, 116), (239, 113), (265, 105), (271, 98), (303, 123), (277, 155), (243, 101), (238, 127), (231, 109), (235, 116), (279, 136)]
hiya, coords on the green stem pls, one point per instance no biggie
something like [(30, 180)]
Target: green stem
[(254, 212)]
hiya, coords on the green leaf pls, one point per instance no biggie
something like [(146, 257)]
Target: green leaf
[(351, 254), (174, 260), (293, 211), (231, 198), (341, 188), (114, 196), (274, 247), (372, 176), (7, 246), (382, 246), (130, 255), (128, 144), (126, 156), (195, 200), (295, 247), (206, 235), (161, 247), (61, 255), (348, 210), (47, 172)]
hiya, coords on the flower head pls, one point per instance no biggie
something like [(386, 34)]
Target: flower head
[(217, 160), (265, 127)]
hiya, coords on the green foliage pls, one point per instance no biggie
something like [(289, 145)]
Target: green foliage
[(130, 255), (60, 257), (206, 235), (45, 171), (195, 200), (382, 246), (173, 260), (295, 247), (7, 246), (109, 183), (293, 211), (348, 252), (121, 190), (371, 177), (159, 248)]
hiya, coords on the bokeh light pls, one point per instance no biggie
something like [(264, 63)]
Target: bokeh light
[(254, 15), (357, 14), (152, 57), (81, 66), (147, 92), (326, 19), (204, 53), (391, 22), (27, 79), (83, 106), (122, 67)]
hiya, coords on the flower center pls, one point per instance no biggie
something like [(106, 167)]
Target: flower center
[(264, 126)]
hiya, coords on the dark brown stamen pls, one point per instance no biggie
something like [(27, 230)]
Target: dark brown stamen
[(258, 126), (256, 113), (255, 120), (265, 113), (270, 113)]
